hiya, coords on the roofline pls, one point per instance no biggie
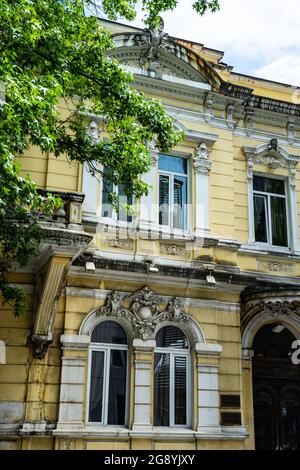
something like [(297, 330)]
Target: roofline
[(287, 85), (172, 37)]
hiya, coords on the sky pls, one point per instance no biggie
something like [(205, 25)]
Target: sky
[(259, 37)]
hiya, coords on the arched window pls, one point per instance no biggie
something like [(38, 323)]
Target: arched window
[(171, 378), (108, 375)]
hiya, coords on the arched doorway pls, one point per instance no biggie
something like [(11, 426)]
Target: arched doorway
[(276, 390)]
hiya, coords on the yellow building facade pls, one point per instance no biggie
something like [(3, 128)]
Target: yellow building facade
[(175, 327)]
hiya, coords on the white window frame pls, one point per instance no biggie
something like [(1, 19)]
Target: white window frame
[(171, 175), (267, 197), (113, 220), (174, 352), (106, 348)]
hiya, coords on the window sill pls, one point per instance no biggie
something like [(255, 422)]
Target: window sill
[(108, 432), (265, 249), (155, 433), (175, 234)]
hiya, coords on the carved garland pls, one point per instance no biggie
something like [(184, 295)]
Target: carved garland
[(143, 315)]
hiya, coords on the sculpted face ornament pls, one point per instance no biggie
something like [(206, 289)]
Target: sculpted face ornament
[(144, 314)]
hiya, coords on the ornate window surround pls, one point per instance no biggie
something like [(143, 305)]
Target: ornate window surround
[(266, 309), (141, 316), (103, 348), (271, 156)]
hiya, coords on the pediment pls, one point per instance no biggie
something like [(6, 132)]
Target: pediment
[(271, 155), (155, 53)]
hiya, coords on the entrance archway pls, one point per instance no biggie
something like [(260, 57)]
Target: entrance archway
[(276, 390)]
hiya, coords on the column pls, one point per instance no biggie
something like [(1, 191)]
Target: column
[(208, 389), (143, 372), (72, 391), (202, 166)]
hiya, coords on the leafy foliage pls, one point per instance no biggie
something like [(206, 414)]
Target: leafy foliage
[(52, 52), (127, 8)]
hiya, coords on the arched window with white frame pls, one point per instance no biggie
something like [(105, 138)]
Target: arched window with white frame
[(108, 375), (172, 378)]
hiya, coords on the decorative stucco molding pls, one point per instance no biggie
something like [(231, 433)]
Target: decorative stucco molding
[(124, 244), (144, 317), (271, 155), (275, 266), (202, 162), (173, 250), (260, 308)]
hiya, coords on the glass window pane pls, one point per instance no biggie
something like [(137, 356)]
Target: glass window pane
[(162, 389), (171, 337), (117, 388), (109, 332), (260, 219), (268, 185), (107, 188), (164, 203), (172, 164), (180, 202), (96, 389), (123, 201), (279, 227), (180, 390)]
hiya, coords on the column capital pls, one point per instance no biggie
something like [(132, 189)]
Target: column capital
[(208, 349), (144, 346), (75, 341)]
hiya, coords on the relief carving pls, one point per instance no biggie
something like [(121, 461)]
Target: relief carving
[(144, 313)]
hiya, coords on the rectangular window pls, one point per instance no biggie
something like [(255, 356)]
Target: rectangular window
[(170, 389), (123, 200), (117, 388), (173, 191), (270, 211), (107, 402)]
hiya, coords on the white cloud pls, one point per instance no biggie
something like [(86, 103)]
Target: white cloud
[(254, 34), (285, 70)]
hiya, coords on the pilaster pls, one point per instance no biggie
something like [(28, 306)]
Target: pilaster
[(72, 391), (208, 389), (143, 385)]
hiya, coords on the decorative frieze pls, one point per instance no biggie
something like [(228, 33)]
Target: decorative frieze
[(279, 309), (173, 250), (275, 266), (121, 243)]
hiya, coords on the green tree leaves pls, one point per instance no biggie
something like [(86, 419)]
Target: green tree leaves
[(52, 53)]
